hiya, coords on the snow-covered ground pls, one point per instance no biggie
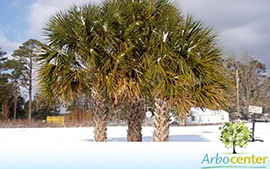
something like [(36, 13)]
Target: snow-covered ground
[(74, 148), (118, 134)]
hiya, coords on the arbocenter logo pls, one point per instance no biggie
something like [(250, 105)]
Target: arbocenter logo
[(233, 161)]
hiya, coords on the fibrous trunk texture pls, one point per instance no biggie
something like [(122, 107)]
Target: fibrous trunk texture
[(134, 115), (161, 121), (99, 117)]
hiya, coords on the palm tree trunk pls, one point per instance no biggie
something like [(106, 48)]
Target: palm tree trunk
[(134, 115), (161, 121), (99, 117)]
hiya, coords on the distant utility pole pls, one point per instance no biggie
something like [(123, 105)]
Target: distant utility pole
[(237, 94)]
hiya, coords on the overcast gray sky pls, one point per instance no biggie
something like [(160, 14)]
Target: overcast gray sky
[(240, 23)]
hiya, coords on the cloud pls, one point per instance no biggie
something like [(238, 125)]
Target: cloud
[(247, 35), (240, 24), (40, 11), (7, 45), (227, 13)]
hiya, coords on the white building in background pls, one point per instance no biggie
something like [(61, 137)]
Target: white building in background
[(204, 116)]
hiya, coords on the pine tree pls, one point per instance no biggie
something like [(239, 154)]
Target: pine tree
[(23, 66)]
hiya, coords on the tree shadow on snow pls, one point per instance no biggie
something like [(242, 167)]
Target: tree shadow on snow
[(173, 138)]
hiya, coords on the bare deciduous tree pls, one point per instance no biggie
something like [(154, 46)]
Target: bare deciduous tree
[(254, 82)]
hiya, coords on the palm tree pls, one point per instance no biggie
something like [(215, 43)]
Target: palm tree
[(130, 91), (87, 49), (185, 71), (138, 23), (73, 58)]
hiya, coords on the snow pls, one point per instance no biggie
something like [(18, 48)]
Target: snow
[(118, 134), (190, 30), (105, 28), (82, 19), (189, 49), (165, 36), (69, 148)]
